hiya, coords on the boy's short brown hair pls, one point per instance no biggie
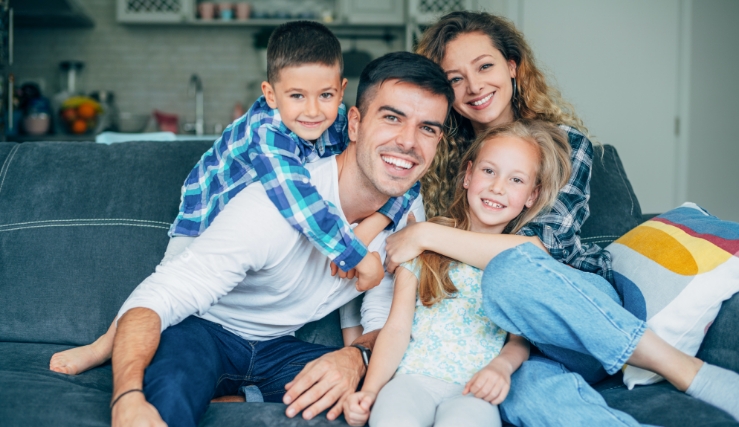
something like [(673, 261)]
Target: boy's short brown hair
[(301, 42)]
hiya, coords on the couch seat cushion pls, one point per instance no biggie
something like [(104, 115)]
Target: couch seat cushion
[(662, 405), (32, 395)]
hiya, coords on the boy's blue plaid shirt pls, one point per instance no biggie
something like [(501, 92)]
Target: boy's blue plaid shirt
[(258, 147)]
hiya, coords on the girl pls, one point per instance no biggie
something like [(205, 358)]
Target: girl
[(573, 316), (456, 367)]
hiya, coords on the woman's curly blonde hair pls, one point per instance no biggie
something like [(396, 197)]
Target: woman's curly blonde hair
[(535, 99)]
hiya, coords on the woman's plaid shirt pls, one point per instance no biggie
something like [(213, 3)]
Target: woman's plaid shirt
[(559, 229)]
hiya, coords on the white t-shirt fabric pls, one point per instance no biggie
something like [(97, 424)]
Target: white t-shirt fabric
[(255, 275)]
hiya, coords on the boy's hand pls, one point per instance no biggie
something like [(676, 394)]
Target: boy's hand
[(369, 272), (491, 383), (357, 407), (343, 274)]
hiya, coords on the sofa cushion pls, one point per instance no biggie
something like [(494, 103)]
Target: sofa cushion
[(721, 344), (32, 395), (662, 405), (675, 271), (5, 148), (81, 224), (614, 208)]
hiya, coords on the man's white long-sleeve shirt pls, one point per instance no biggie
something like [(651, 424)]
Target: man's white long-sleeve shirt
[(255, 275)]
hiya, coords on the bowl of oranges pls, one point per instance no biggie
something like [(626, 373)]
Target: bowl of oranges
[(80, 114)]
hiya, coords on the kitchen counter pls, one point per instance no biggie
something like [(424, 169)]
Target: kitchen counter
[(91, 138)]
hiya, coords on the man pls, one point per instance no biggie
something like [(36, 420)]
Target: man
[(222, 314)]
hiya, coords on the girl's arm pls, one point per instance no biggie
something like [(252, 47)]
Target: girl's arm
[(395, 335), (351, 334), (476, 249), (388, 351), (493, 382)]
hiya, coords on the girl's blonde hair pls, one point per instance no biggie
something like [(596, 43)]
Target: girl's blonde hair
[(534, 99), (552, 172)]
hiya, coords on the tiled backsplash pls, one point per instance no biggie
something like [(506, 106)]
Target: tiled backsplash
[(149, 66)]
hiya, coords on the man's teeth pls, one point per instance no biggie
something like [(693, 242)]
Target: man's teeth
[(397, 162), (493, 205), (483, 100)]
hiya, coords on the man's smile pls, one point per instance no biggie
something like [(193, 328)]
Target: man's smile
[(397, 162)]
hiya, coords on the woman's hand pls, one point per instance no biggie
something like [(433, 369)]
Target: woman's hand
[(405, 244), (357, 407), (491, 383)]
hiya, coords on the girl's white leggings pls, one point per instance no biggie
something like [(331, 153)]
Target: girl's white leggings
[(421, 401)]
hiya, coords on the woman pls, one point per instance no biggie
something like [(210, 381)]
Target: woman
[(573, 316)]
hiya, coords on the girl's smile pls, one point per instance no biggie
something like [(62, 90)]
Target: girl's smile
[(501, 182)]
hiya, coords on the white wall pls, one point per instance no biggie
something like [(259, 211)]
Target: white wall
[(617, 62), (632, 67), (713, 150)]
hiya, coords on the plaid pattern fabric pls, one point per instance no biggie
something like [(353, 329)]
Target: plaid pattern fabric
[(258, 147), (559, 229)]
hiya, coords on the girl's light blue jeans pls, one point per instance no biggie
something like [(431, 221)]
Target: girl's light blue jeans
[(577, 322)]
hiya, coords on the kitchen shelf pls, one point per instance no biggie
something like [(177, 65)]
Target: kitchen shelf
[(261, 23)]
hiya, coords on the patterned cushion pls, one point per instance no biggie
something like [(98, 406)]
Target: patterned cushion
[(674, 271)]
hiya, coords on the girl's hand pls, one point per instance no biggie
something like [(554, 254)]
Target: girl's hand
[(357, 407), (491, 383), (404, 245)]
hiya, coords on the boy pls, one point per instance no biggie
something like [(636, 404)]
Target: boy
[(299, 119)]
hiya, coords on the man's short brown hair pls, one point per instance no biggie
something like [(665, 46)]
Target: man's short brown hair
[(301, 42)]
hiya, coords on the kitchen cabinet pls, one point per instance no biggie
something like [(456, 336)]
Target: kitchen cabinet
[(375, 11), (154, 11), (269, 13), (49, 13)]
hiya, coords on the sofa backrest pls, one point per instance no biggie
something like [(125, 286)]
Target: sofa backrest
[(81, 224), (614, 208)]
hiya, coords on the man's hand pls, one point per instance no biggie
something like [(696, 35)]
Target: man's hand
[(369, 272), (357, 407), (133, 410), (491, 383), (404, 245), (324, 382)]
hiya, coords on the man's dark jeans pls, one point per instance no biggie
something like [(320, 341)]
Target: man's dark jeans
[(198, 360)]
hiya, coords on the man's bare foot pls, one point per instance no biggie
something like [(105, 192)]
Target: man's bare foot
[(77, 360)]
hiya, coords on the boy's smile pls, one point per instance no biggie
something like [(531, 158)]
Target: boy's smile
[(308, 98)]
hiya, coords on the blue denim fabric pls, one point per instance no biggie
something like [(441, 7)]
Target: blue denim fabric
[(198, 360), (576, 320)]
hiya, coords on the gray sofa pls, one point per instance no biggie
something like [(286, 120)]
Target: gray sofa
[(81, 224)]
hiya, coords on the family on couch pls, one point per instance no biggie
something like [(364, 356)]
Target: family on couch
[(508, 163)]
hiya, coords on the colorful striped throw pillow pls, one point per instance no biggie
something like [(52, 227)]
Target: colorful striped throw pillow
[(674, 271)]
